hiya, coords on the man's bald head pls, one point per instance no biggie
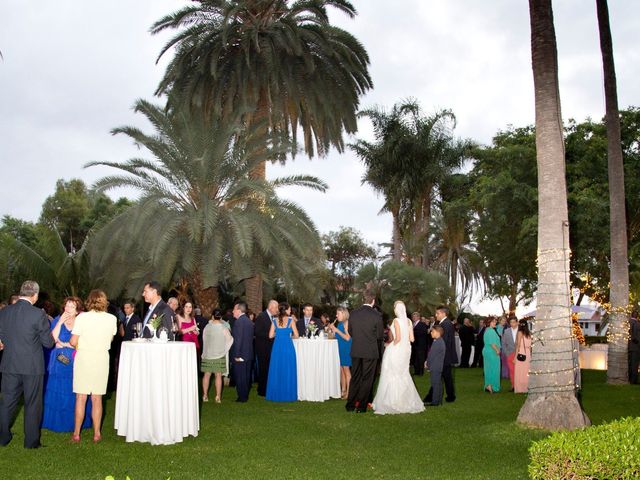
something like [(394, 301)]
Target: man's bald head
[(272, 307)]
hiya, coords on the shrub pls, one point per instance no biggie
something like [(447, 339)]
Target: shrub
[(591, 340), (609, 451)]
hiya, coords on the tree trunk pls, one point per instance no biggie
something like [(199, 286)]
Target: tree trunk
[(426, 220), (253, 292), (618, 368), (551, 403), (396, 236), (204, 297)]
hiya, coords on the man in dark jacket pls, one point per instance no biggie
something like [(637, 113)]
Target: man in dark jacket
[(450, 357), (467, 339), (24, 330), (366, 331)]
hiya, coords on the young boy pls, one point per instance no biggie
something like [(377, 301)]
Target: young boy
[(435, 361)]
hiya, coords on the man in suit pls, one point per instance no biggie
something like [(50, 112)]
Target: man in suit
[(467, 338), (157, 307), (633, 346), (127, 327), (366, 331), (508, 346), (24, 330), (307, 319), (450, 357), (435, 362), (419, 345), (242, 350), (263, 343)]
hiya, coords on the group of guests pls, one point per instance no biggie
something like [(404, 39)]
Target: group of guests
[(76, 349)]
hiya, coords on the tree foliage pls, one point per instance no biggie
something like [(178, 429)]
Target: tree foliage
[(346, 251)]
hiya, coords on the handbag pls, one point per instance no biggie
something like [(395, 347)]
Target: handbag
[(521, 357), (62, 358)]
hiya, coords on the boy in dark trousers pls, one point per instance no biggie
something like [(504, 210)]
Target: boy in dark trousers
[(435, 362)]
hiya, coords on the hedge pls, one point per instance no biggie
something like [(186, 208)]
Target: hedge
[(610, 451)]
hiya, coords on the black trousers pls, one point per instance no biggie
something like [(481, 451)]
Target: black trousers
[(478, 361), (263, 353), (464, 357), (363, 372), (634, 361), (13, 387), (419, 356), (242, 375), (447, 376)]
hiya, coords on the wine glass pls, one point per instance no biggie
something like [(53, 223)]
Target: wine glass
[(137, 330), (174, 329)]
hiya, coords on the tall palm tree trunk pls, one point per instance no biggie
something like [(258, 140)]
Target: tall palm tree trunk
[(396, 236), (618, 368), (551, 403), (205, 297)]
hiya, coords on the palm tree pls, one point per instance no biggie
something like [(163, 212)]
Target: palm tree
[(272, 59), (276, 61), (58, 272), (201, 216), (551, 403), (618, 369), (453, 253), (411, 156)]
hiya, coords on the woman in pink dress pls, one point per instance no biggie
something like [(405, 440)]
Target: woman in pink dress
[(523, 347), (188, 325)]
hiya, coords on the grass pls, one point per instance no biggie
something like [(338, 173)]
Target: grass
[(474, 438)]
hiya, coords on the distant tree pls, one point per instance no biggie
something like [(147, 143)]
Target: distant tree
[(74, 209), (346, 252), (504, 197), (420, 289)]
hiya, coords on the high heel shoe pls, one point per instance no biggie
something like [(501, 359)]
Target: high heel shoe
[(75, 438), (488, 390), (205, 399), (218, 400), (97, 438)]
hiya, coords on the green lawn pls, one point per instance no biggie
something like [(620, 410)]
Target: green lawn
[(474, 438)]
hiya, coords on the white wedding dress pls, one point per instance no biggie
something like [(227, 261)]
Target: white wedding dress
[(396, 391)]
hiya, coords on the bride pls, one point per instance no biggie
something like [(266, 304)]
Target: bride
[(396, 392)]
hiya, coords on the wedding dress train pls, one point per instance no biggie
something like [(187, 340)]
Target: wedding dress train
[(396, 391)]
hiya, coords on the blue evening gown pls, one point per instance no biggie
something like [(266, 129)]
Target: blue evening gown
[(59, 399), (282, 382)]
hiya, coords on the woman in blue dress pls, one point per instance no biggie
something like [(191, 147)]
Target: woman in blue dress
[(344, 348), (491, 355), (59, 399), (282, 382)]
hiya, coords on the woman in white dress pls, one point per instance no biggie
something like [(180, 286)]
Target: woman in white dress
[(396, 391)]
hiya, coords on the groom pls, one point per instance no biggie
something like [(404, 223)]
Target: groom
[(366, 331)]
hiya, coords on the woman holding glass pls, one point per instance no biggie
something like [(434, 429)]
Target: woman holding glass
[(491, 357), (344, 348), (59, 400)]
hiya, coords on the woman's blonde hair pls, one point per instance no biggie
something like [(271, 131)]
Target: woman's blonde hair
[(345, 313), (97, 300)]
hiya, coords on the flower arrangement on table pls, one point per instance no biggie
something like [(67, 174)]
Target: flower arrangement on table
[(156, 321), (311, 330)]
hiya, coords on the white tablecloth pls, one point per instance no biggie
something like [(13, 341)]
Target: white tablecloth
[(318, 364), (157, 395)]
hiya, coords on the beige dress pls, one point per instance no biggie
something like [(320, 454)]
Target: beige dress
[(95, 331)]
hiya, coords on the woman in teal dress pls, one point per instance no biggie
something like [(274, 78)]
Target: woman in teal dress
[(491, 357), (282, 382)]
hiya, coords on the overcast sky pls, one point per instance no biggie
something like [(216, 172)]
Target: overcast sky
[(72, 70)]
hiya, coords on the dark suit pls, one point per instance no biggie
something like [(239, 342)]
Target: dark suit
[(24, 330), (243, 350), (477, 353), (450, 359), (128, 326), (302, 328), (634, 349), (263, 346), (435, 362), (467, 337), (419, 347), (167, 320), (366, 331)]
